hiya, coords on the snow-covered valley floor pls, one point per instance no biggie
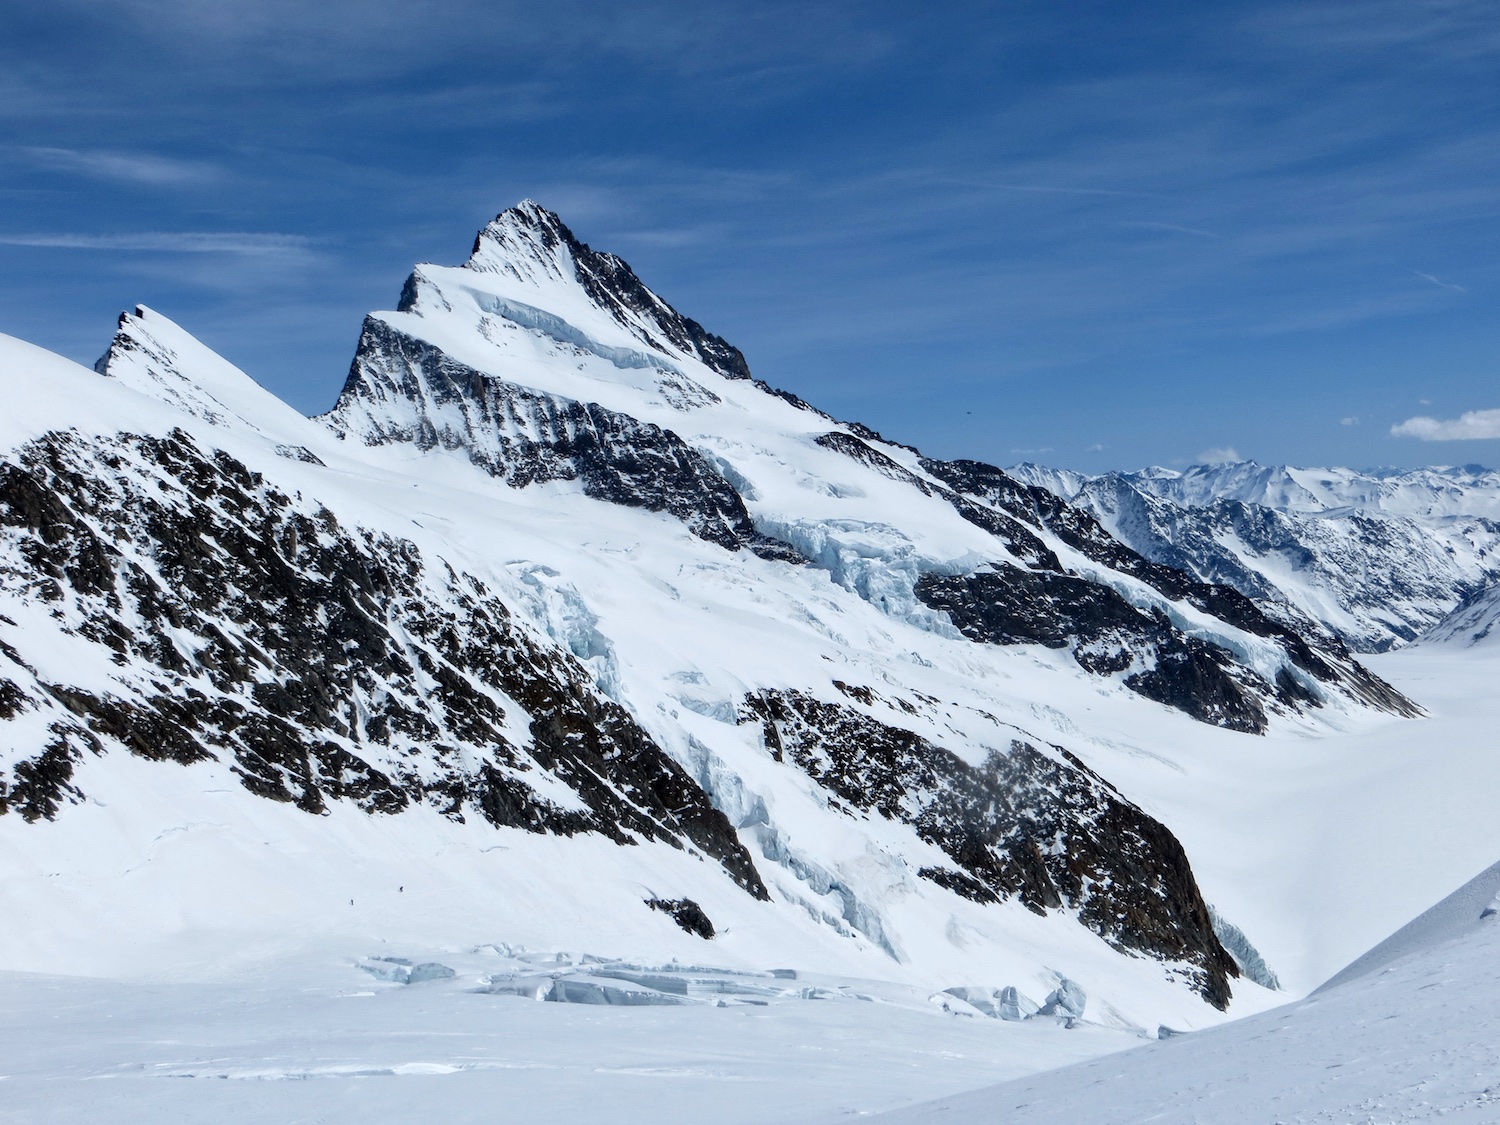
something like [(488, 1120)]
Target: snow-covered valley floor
[(292, 1028), (318, 1040)]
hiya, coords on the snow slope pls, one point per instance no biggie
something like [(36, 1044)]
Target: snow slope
[(1472, 621), (1410, 1034), (292, 1028), (320, 1039)]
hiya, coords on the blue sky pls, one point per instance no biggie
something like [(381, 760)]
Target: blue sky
[(1089, 234)]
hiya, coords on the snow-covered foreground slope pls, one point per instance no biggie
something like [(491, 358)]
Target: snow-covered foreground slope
[(1411, 1037), (320, 1040), (1377, 558)]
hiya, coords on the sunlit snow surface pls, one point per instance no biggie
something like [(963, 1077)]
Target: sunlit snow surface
[(288, 1026), (1415, 1038), (318, 1039)]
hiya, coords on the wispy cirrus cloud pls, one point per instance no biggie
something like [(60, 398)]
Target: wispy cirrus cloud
[(1473, 425), (1170, 228), (1438, 28), (132, 167), (168, 242), (1218, 456), (1439, 282)]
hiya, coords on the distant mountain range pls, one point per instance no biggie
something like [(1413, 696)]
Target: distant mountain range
[(1377, 558)]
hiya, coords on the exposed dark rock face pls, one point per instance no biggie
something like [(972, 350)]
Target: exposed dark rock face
[(401, 389), (866, 454), (614, 287), (1020, 540), (39, 785), (1044, 603), (1029, 824), (1107, 635), (1326, 660), (325, 663), (686, 913)]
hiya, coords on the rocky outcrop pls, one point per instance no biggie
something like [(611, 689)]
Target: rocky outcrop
[(1031, 824), (320, 662), (1107, 635), (993, 611), (403, 390)]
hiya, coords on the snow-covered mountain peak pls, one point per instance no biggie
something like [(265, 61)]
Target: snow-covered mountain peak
[(527, 256), (1435, 494), (155, 357), (527, 242), (536, 379)]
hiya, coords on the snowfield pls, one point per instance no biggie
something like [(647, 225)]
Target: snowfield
[(1411, 1035)]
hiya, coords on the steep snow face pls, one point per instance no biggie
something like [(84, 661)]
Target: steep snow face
[(1376, 558), (530, 248), (1474, 621)]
